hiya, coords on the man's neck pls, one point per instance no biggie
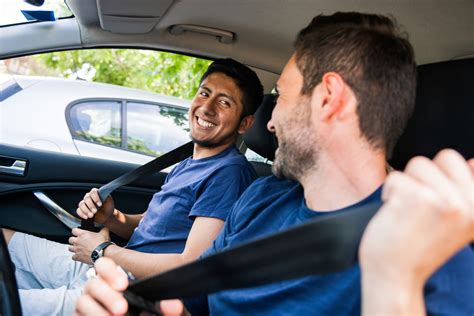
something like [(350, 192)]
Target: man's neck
[(343, 180), (200, 152)]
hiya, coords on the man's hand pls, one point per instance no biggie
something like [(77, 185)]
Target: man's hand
[(84, 242), (91, 205), (102, 295), (427, 217)]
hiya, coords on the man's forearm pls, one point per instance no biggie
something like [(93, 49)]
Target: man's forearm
[(144, 264), (122, 224), (385, 296)]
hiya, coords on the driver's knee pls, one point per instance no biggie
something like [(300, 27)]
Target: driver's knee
[(8, 234)]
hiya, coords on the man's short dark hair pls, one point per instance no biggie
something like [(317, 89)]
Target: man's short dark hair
[(245, 78), (373, 58)]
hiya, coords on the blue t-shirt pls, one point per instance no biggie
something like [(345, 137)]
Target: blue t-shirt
[(206, 187), (270, 205)]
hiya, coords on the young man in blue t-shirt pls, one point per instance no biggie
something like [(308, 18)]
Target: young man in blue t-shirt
[(344, 98), (182, 219)]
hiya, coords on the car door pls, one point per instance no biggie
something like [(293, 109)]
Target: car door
[(65, 179)]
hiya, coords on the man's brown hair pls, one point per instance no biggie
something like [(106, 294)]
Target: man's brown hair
[(373, 58)]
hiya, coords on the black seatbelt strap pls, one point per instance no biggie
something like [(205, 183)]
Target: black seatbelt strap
[(326, 244), (157, 164)]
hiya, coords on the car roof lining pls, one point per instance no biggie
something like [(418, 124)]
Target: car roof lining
[(439, 29)]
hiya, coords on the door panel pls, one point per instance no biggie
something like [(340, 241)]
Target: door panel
[(64, 178)]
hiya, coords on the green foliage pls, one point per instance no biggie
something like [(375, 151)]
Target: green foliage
[(139, 145), (115, 140), (111, 140), (180, 118), (160, 72)]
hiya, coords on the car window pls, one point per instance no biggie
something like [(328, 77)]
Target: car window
[(121, 104), (155, 129), (98, 122), (147, 128)]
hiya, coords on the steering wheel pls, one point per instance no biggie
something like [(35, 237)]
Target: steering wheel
[(9, 298)]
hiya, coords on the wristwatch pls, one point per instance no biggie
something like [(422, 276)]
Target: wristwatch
[(99, 250)]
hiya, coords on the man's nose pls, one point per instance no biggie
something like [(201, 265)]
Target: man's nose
[(209, 106), (271, 126)]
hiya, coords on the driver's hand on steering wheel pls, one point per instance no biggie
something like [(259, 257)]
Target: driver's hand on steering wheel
[(91, 207)]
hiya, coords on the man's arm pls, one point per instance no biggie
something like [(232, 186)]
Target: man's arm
[(428, 216), (201, 236), (122, 224)]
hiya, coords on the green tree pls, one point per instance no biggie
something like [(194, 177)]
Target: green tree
[(159, 72)]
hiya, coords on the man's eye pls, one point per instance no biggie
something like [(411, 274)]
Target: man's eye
[(204, 94), (225, 103)]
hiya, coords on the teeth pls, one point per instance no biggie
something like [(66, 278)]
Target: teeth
[(205, 123)]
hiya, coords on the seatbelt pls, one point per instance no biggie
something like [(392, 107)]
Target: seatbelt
[(157, 164), (326, 244)]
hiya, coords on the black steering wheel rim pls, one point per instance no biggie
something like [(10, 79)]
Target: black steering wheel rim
[(10, 300)]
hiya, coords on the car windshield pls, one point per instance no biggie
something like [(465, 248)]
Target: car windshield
[(16, 11)]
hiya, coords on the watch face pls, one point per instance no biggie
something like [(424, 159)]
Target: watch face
[(94, 256)]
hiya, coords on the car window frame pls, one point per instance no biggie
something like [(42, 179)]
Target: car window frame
[(123, 122)]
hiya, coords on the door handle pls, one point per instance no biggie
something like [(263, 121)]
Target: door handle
[(14, 167)]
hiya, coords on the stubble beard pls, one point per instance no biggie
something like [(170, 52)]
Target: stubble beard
[(216, 142), (298, 150), (205, 143)]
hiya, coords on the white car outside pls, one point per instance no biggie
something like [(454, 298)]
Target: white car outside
[(98, 109)]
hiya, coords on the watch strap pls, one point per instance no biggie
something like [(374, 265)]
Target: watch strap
[(98, 251)]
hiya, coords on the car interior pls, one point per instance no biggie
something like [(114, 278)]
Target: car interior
[(257, 33)]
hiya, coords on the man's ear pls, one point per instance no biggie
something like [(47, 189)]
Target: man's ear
[(245, 124), (334, 97)]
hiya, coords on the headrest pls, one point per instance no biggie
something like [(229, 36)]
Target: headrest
[(444, 113), (258, 138)]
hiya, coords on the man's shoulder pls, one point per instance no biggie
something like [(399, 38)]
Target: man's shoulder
[(232, 164), (264, 208), (234, 157), (228, 163), (231, 158), (452, 283), (263, 192), (273, 184)]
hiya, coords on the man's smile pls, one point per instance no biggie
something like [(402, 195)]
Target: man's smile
[(203, 123)]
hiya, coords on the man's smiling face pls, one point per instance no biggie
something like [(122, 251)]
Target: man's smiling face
[(291, 121), (216, 111)]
